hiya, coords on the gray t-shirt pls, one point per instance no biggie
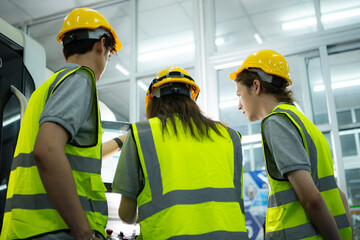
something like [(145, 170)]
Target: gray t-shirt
[(284, 149), (73, 106), (129, 178)]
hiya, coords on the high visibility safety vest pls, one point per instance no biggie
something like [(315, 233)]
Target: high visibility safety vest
[(285, 217), (193, 189), (28, 210)]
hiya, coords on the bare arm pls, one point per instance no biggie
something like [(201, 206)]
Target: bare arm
[(127, 210), (57, 178), (110, 147), (314, 204)]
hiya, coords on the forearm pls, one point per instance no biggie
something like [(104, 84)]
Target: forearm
[(322, 219), (314, 204), (110, 147), (60, 187), (128, 210), (57, 178)]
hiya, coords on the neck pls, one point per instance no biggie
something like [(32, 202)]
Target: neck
[(86, 60), (268, 102)]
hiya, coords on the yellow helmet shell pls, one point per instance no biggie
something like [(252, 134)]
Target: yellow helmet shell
[(269, 61), (164, 77), (86, 18)]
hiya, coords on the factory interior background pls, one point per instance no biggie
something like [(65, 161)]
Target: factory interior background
[(320, 39)]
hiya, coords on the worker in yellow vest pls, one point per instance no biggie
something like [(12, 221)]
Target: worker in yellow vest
[(55, 189), (304, 200), (182, 170)]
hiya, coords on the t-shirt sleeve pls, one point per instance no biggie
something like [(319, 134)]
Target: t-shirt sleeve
[(285, 145), (70, 103), (128, 179)]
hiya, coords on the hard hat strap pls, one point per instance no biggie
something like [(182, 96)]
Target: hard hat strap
[(83, 34), (273, 79), (172, 88)]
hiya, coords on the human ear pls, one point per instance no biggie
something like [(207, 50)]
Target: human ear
[(257, 86), (100, 45)]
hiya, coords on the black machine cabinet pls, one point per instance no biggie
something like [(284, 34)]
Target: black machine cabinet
[(13, 76)]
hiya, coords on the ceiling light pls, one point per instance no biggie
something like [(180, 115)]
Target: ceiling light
[(163, 53), (122, 69), (228, 65), (340, 15), (142, 85), (299, 23), (219, 41), (258, 38), (324, 18), (340, 84)]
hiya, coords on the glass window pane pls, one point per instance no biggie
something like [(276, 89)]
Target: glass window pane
[(142, 87), (353, 183), (345, 81), (339, 13), (165, 34), (119, 18), (237, 22), (259, 157), (344, 117), (348, 145), (246, 160), (328, 138), (116, 98), (357, 115), (317, 91)]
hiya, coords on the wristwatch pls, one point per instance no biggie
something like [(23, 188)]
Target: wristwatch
[(119, 142), (93, 236)]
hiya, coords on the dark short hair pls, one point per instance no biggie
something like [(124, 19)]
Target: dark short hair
[(282, 94), (84, 46)]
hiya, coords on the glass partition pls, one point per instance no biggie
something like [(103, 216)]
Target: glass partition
[(165, 34), (116, 97)]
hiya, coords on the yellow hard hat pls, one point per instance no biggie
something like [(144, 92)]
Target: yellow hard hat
[(172, 75), (269, 61), (86, 18)]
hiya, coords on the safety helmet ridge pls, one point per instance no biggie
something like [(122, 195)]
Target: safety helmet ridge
[(171, 75), (86, 18), (271, 62)]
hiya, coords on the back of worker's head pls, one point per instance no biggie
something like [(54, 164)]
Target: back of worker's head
[(271, 69), (82, 28), (172, 94)]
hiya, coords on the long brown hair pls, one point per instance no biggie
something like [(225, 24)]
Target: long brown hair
[(188, 112), (281, 94)]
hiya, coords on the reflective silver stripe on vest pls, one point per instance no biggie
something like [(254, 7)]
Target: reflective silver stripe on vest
[(218, 235), (305, 230), (309, 142), (237, 166), (42, 201), (58, 78), (159, 201), (81, 164), (289, 196)]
